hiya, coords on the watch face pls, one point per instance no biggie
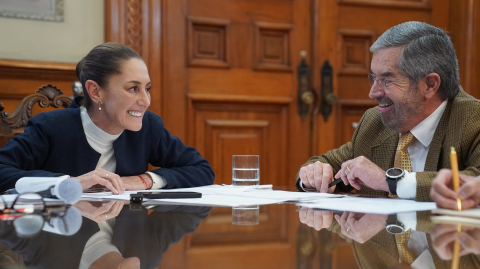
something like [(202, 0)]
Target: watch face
[(394, 229), (394, 172)]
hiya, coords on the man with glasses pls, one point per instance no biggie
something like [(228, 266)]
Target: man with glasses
[(422, 111)]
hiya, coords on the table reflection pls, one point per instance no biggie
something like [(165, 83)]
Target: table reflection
[(373, 242), (131, 237)]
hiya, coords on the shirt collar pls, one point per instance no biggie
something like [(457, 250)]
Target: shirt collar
[(425, 130), (93, 131)]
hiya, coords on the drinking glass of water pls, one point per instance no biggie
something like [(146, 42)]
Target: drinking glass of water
[(246, 170)]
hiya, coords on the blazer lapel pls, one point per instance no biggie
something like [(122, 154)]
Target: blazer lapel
[(433, 156)]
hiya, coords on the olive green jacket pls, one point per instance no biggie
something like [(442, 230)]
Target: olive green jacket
[(459, 127)]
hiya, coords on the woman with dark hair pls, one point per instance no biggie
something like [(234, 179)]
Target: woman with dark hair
[(107, 137)]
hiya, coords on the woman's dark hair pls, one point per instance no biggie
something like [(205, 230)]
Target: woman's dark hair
[(101, 63)]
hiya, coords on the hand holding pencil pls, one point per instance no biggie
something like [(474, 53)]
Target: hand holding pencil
[(443, 194)]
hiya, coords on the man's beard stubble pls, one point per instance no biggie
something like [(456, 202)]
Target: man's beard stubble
[(403, 111)]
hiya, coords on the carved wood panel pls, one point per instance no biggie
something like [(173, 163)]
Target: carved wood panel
[(208, 42), (219, 130), (407, 4), (354, 54), (272, 46)]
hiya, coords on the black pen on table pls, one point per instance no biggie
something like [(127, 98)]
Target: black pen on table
[(334, 183)]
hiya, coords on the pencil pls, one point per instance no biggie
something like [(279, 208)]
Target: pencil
[(456, 186)]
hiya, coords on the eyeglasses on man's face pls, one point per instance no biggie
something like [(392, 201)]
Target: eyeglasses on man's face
[(383, 83)]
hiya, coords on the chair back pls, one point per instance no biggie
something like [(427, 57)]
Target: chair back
[(46, 96)]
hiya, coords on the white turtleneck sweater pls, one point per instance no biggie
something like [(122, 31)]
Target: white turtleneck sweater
[(102, 142)]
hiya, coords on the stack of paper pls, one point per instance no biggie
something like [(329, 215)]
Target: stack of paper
[(370, 205)]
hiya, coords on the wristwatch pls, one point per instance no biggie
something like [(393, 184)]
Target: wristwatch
[(394, 226), (393, 175)]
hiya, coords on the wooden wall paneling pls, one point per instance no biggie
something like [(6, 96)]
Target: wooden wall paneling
[(272, 46), (174, 71), (404, 4), (327, 31), (463, 27), (208, 42), (152, 50)]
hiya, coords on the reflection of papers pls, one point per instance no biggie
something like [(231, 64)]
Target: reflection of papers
[(456, 220), (213, 200), (370, 205)]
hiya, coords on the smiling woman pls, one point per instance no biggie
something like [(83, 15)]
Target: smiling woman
[(107, 137)]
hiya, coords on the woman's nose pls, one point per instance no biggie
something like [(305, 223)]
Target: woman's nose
[(145, 99)]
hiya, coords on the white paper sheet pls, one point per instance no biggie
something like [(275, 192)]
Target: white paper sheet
[(370, 205), (217, 195)]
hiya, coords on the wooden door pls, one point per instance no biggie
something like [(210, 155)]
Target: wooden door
[(232, 72), (224, 77)]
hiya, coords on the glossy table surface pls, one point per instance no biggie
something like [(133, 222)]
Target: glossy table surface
[(115, 234)]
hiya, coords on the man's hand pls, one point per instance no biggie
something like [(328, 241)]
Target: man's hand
[(361, 227), (316, 219), (317, 176), (362, 171), (442, 191), (444, 235)]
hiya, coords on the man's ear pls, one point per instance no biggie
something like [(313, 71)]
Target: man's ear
[(93, 90), (432, 82)]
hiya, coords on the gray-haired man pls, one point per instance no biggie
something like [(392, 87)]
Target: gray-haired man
[(422, 112), (415, 80)]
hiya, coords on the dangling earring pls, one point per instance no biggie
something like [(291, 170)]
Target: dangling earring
[(99, 105)]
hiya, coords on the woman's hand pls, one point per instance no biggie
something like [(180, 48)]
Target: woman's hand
[(103, 177), (98, 212), (136, 183), (444, 235), (442, 190)]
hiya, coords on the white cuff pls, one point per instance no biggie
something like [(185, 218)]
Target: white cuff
[(407, 186), (408, 219), (158, 181)]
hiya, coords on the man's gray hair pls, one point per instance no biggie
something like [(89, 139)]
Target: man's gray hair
[(426, 49)]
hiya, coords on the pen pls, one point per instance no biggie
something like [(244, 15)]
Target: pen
[(335, 182), (456, 185)]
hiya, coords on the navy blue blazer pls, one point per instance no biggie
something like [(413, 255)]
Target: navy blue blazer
[(54, 144)]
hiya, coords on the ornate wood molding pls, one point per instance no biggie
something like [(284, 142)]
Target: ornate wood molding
[(133, 37), (124, 23), (37, 70), (45, 96)]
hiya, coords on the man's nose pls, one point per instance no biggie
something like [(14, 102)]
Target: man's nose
[(376, 91)]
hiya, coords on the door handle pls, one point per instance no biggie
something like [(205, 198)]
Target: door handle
[(326, 90), (304, 95)]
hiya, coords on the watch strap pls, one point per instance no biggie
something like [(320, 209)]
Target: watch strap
[(392, 185)]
